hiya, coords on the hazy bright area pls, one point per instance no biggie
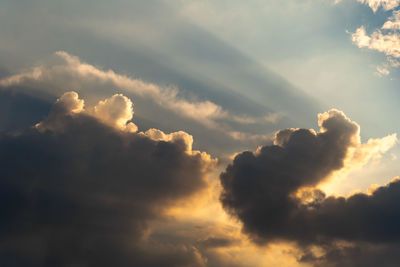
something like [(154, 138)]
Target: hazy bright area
[(199, 133)]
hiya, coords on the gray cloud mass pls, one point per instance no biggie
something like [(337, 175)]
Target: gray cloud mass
[(273, 193), (77, 192)]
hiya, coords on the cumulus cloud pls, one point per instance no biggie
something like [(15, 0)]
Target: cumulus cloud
[(393, 23), (389, 43), (376, 4), (385, 4), (385, 40), (116, 111), (159, 135), (273, 191), (368, 224), (64, 71), (78, 189), (69, 103), (65, 66)]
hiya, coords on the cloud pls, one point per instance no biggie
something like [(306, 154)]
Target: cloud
[(385, 4), (367, 224), (19, 111), (79, 190), (382, 71), (64, 71), (385, 40), (389, 43), (393, 62), (362, 254), (116, 111), (70, 103), (273, 191), (215, 242), (393, 23), (64, 66)]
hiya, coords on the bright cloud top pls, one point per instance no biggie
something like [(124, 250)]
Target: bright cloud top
[(64, 71), (385, 40), (389, 44), (67, 65), (116, 111), (393, 23), (385, 4)]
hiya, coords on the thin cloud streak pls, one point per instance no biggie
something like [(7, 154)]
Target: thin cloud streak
[(65, 71)]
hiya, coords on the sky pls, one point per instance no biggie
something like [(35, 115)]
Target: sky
[(199, 133)]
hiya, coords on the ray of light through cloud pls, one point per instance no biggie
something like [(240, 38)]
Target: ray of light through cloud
[(199, 133)]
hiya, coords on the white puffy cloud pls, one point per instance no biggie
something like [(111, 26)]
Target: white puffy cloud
[(393, 23), (159, 135), (64, 72), (71, 102), (385, 4), (116, 111), (386, 39), (74, 73), (389, 43)]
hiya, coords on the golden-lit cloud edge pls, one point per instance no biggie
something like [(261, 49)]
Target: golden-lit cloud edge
[(197, 222), (63, 71)]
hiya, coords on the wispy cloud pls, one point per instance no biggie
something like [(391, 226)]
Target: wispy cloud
[(382, 71), (65, 72)]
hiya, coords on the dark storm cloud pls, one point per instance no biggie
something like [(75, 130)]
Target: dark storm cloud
[(77, 192), (267, 191), (369, 223), (257, 187), (360, 254)]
